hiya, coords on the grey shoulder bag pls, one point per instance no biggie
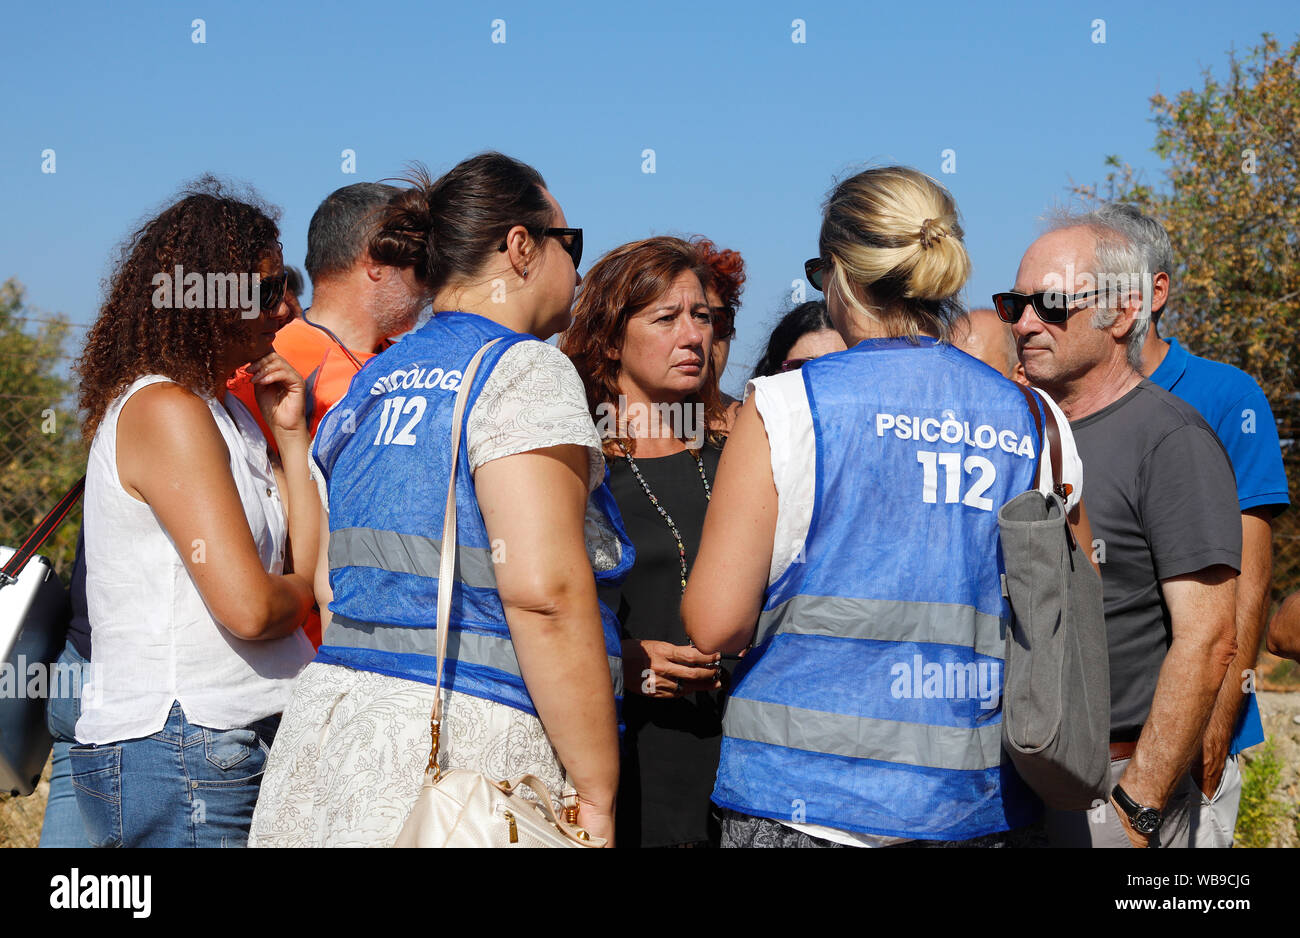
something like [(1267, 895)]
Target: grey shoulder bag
[(1056, 695)]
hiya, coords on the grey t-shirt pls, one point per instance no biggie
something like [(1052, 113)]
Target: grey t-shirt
[(1162, 500)]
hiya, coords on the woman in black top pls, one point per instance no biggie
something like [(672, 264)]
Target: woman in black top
[(640, 339)]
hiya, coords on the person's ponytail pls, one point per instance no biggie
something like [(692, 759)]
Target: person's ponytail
[(897, 245), (404, 236), (446, 229)]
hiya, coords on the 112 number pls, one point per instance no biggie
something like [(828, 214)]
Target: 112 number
[(394, 408), (952, 470)]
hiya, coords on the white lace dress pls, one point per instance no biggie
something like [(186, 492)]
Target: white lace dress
[(349, 757)]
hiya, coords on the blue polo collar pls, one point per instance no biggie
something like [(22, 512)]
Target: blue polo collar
[(1171, 369)]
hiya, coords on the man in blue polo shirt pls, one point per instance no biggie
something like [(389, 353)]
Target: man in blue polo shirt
[(1234, 406)]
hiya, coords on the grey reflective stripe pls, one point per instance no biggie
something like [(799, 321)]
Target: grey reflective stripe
[(408, 553), (471, 647), (940, 747), (887, 620)]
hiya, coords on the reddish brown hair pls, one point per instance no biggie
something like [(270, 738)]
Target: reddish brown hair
[(625, 280), (721, 271)]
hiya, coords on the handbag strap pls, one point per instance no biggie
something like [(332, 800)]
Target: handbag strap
[(42, 533), (447, 565), (1052, 439)]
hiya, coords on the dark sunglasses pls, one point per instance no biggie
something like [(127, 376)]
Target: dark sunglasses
[(1051, 305), (572, 247), (793, 364), (271, 290), (814, 270), (724, 322)]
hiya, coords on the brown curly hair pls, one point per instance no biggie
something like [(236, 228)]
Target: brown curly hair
[(625, 280), (208, 228)]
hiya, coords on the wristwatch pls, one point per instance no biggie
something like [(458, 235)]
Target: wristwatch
[(1144, 820)]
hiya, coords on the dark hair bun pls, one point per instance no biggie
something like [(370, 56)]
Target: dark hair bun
[(405, 236)]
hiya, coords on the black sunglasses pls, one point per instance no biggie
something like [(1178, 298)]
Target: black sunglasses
[(793, 364), (814, 270), (271, 290), (724, 322), (1051, 305), (572, 247)]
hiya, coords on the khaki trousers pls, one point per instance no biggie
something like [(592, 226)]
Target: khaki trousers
[(1101, 827)]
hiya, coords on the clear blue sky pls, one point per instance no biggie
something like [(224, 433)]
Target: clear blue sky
[(749, 128)]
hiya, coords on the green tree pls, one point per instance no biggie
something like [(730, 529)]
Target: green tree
[(41, 453), (1230, 199)]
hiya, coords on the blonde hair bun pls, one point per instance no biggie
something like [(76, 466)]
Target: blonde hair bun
[(894, 232)]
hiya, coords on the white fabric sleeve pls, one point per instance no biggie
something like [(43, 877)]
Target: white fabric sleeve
[(533, 399), (318, 477), (782, 402), (1071, 464)]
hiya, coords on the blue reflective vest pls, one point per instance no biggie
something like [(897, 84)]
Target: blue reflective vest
[(385, 452), (871, 701)]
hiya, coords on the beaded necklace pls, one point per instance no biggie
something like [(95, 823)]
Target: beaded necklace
[(708, 495)]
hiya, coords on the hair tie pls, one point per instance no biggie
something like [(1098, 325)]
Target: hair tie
[(929, 234)]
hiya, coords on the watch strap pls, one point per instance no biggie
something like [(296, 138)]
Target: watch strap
[(1132, 808)]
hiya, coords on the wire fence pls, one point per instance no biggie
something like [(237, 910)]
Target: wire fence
[(41, 456)]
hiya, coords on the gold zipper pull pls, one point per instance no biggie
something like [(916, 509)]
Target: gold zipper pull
[(514, 831), (435, 730), (570, 802)]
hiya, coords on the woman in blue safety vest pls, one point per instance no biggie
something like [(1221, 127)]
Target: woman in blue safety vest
[(533, 665), (854, 520)]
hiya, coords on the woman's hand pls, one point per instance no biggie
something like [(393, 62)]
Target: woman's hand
[(281, 394), (171, 456), (549, 598), (596, 820), (664, 670)]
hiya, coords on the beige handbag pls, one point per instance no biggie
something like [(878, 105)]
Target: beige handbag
[(463, 808)]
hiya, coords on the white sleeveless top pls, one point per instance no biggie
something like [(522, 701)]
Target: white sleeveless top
[(153, 640)]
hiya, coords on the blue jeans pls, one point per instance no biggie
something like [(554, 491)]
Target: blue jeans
[(184, 786), (63, 827)]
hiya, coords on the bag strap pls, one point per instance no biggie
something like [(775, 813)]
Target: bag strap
[(1052, 439), (447, 566), (43, 532)]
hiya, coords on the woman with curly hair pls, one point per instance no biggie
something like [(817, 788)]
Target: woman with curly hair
[(641, 339), (199, 553)]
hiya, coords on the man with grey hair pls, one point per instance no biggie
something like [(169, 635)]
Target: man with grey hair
[(1239, 413), (1164, 518)]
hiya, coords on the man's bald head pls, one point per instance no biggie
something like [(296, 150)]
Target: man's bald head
[(986, 337)]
